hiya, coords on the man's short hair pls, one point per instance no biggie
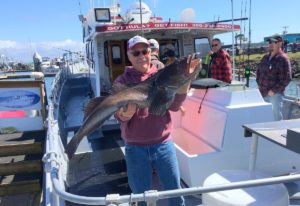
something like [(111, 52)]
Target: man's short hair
[(216, 39)]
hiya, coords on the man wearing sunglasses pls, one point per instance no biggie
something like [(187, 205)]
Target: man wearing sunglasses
[(273, 75), (220, 64), (147, 137)]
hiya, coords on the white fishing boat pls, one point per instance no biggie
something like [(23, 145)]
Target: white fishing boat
[(209, 137)]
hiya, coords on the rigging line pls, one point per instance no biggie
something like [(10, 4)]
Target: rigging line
[(244, 26), (232, 30), (241, 15), (245, 15)]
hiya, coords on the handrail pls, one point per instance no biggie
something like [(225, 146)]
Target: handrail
[(152, 196)]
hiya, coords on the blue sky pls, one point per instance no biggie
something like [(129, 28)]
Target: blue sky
[(45, 25)]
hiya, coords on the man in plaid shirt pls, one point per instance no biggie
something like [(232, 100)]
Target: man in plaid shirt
[(273, 75), (220, 65)]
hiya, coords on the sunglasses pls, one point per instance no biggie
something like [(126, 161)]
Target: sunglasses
[(275, 42), (137, 53), (213, 45)]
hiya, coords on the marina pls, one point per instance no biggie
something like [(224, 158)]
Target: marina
[(230, 150)]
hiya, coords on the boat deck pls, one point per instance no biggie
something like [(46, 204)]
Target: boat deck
[(100, 172), (103, 171)]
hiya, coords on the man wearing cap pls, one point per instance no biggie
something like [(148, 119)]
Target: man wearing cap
[(147, 137), (220, 66), (273, 75), (154, 54)]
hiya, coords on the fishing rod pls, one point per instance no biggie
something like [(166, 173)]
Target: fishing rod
[(232, 31), (247, 69), (227, 20)]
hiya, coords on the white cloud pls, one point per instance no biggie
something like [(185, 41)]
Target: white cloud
[(8, 44), (22, 52)]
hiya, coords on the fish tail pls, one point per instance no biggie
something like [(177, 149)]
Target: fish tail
[(72, 146)]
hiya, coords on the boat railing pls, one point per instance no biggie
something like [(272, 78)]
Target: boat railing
[(70, 69), (55, 162), (151, 196)]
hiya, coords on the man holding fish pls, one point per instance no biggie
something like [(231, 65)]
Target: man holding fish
[(141, 101), (146, 131)]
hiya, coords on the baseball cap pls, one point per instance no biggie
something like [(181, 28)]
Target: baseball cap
[(153, 44), (275, 37), (136, 40)]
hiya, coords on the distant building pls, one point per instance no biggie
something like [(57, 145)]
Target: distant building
[(290, 38)]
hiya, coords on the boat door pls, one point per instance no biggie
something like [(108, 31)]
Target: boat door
[(116, 58)]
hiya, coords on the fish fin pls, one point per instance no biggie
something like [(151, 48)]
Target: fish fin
[(116, 87), (92, 105), (161, 102)]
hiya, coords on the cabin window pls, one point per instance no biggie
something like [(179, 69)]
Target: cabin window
[(89, 53), (202, 46), (116, 54), (165, 46)]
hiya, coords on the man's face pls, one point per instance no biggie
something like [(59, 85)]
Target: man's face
[(140, 57), (215, 46), (274, 46)]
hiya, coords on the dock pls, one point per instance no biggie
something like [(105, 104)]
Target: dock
[(22, 138), (21, 168)]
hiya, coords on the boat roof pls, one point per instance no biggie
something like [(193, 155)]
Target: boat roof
[(150, 26)]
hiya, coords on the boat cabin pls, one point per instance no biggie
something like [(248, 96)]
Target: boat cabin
[(106, 34)]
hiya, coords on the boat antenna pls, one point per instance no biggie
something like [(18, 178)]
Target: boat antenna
[(247, 69), (141, 18), (154, 6), (79, 5)]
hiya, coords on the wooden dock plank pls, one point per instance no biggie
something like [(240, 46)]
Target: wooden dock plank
[(31, 136), (21, 149), (20, 187), (28, 199), (21, 167)]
